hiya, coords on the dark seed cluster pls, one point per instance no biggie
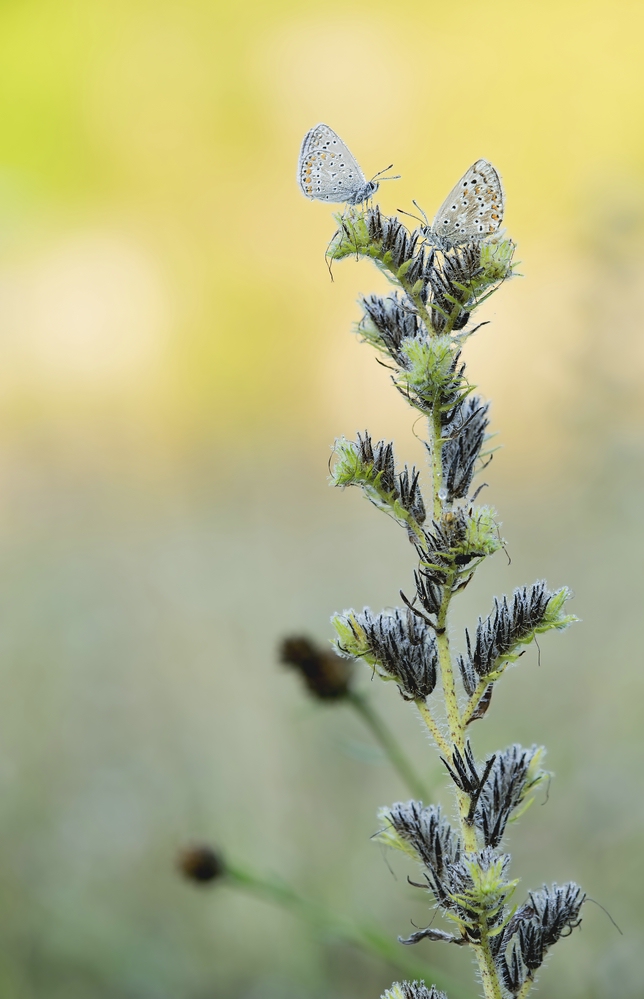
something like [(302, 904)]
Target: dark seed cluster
[(327, 676), (405, 649), (201, 863)]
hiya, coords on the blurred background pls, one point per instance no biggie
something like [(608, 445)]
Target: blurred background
[(174, 366)]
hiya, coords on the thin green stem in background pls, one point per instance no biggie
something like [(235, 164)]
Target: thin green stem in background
[(389, 744), (366, 938)]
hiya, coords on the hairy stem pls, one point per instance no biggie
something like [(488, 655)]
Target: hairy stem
[(435, 430), (489, 977), (389, 744), (455, 720), (473, 702), (422, 310), (447, 674), (432, 725)]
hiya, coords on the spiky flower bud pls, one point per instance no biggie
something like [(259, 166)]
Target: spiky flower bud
[(473, 891), (326, 674), (556, 910), (452, 547), (463, 437), (531, 610), (412, 990), (387, 323), (397, 644), (373, 468), (451, 280), (420, 831), (446, 287), (463, 276), (431, 375), (514, 773), (464, 772), (396, 251), (520, 949)]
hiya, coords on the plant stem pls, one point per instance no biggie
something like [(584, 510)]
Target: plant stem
[(525, 988), (366, 938), (432, 725), (489, 977), (447, 673), (473, 702), (455, 720), (389, 744), (435, 431)]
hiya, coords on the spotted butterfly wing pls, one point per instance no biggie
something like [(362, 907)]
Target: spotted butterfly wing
[(328, 172), (473, 209)]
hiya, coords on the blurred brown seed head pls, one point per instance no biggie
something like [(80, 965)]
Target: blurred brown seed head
[(326, 675), (201, 864)]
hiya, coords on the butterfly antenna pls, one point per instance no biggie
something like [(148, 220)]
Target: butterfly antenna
[(409, 214), (416, 205), (380, 173)]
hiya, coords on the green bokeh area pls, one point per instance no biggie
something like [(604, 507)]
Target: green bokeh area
[(174, 364)]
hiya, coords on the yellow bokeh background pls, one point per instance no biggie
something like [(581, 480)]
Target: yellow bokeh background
[(174, 365)]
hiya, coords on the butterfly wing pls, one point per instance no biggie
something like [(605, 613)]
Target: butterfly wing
[(326, 169), (473, 209)]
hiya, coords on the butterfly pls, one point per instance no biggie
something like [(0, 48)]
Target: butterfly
[(472, 210), (327, 171)]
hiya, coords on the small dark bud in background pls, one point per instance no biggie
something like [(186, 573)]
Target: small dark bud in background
[(327, 675), (201, 863)]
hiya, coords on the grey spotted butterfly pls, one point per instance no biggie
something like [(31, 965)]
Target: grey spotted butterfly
[(472, 211), (327, 171)]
